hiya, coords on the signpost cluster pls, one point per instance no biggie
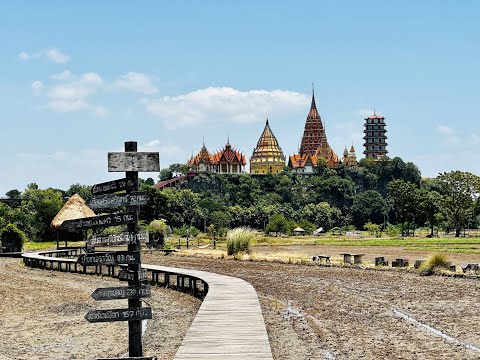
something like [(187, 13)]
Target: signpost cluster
[(106, 196)]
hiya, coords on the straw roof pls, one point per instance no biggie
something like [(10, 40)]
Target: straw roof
[(74, 208)]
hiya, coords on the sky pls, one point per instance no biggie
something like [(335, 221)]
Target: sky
[(78, 79)]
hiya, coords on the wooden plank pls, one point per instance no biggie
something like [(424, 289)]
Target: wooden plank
[(98, 221), (112, 201), (130, 292), (118, 239), (127, 275), (112, 186), (130, 314), (109, 258), (133, 161)]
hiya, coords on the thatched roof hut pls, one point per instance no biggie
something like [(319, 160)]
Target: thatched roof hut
[(74, 208)]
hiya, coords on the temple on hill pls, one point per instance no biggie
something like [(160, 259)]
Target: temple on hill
[(226, 161), (314, 145), (349, 159), (267, 157), (375, 137)]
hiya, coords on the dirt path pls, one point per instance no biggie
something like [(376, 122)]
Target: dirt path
[(349, 313), (42, 317)]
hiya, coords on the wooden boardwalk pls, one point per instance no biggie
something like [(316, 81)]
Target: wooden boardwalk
[(228, 325)]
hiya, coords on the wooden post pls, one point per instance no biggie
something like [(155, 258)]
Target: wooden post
[(134, 327)]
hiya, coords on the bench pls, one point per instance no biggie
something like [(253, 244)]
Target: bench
[(380, 261), (319, 258), (470, 266), (357, 258), (400, 262)]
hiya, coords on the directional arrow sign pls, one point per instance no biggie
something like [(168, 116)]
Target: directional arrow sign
[(98, 221), (130, 275), (118, 239), (110, 258), (131, 292), (112, 201), (130, 314), (133, 161), (112, 186)]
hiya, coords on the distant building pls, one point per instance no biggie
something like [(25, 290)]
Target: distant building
[(314, 145), (225, 161), (267, 157), (375, 137), (349, 159)]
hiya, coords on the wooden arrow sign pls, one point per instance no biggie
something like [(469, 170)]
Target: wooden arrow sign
[(133, 161), (128, 275), (118, 239), (112, 201), (98, 221), (109, 258), (112, 186), (130, 314), (131, 292)]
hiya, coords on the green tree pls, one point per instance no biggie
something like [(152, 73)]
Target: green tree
[(405, 201), (368, 206), (13, 194), (84, 191), (277, 224), (12, 238), (429, 207), (459, 189)]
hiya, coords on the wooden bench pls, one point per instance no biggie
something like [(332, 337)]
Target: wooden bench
[(473, 267), (319, 258), (380, 261), (400, 262), (357, 258)]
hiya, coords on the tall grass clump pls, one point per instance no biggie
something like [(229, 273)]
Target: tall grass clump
[(238, 240), (433, 263)]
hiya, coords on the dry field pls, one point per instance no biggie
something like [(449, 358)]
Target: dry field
[(348, 313)]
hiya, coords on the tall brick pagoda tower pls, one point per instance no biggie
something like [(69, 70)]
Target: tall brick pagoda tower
[(375, 137), (314, 135)]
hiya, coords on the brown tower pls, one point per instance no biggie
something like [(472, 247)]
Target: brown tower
[(314, 132), (375, 137)]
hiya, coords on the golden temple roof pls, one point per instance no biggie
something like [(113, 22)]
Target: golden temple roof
[(267, 150)]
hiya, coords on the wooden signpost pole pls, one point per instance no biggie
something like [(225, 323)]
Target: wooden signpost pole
[(135, 347)]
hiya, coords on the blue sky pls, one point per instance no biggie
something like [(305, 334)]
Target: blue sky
[(79, 79)]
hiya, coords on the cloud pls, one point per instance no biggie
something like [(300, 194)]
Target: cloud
[(162, 147), (70, 92), (366, 112), (57, 56), (219, 104), (37, 88), (445, 130), (51, 54), (136, 82)]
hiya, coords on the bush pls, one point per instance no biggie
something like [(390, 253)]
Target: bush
[(392, 231), (373, 229), (434, 262), (11, 238), (238, 240)]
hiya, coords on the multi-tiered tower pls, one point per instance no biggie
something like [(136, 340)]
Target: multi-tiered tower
[(375, 137), (267, 157)]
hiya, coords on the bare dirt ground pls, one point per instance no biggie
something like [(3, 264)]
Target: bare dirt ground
[(42, 317), (350, 313)]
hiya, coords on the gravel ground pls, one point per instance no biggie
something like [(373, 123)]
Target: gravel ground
[(349, 313), (42, 317)]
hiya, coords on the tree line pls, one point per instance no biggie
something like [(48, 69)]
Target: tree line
[(378, 195)]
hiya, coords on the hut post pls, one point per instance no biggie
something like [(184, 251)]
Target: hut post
[(58, 238)]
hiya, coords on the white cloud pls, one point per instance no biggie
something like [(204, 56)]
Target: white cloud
[(136, 82), (219, 104), (164, 148), (57, 56), (37, 88), (64, 75), (52, 54), (366, 112), (445, 130), (71, 92)]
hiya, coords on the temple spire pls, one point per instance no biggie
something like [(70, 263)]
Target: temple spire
[(313, 96), (267, 122)]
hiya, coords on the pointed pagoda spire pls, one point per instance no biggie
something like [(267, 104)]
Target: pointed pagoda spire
[(267, 156), (313, 96), (267, 122)]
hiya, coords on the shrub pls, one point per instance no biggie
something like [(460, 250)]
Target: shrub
[(12, 238), (373, 229), (434, 262), (238, 240)]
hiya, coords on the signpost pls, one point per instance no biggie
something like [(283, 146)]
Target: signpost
[(131, 162), (112, 186), (109, 258), (118, 239), (131, 292), (130, 275), (130, 314), (115, 200), (99, 221)]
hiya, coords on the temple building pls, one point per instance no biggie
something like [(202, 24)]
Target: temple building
[(226, 161), (267, 157), (349, 159), (202, 162), (314, 145), (375, 137)]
